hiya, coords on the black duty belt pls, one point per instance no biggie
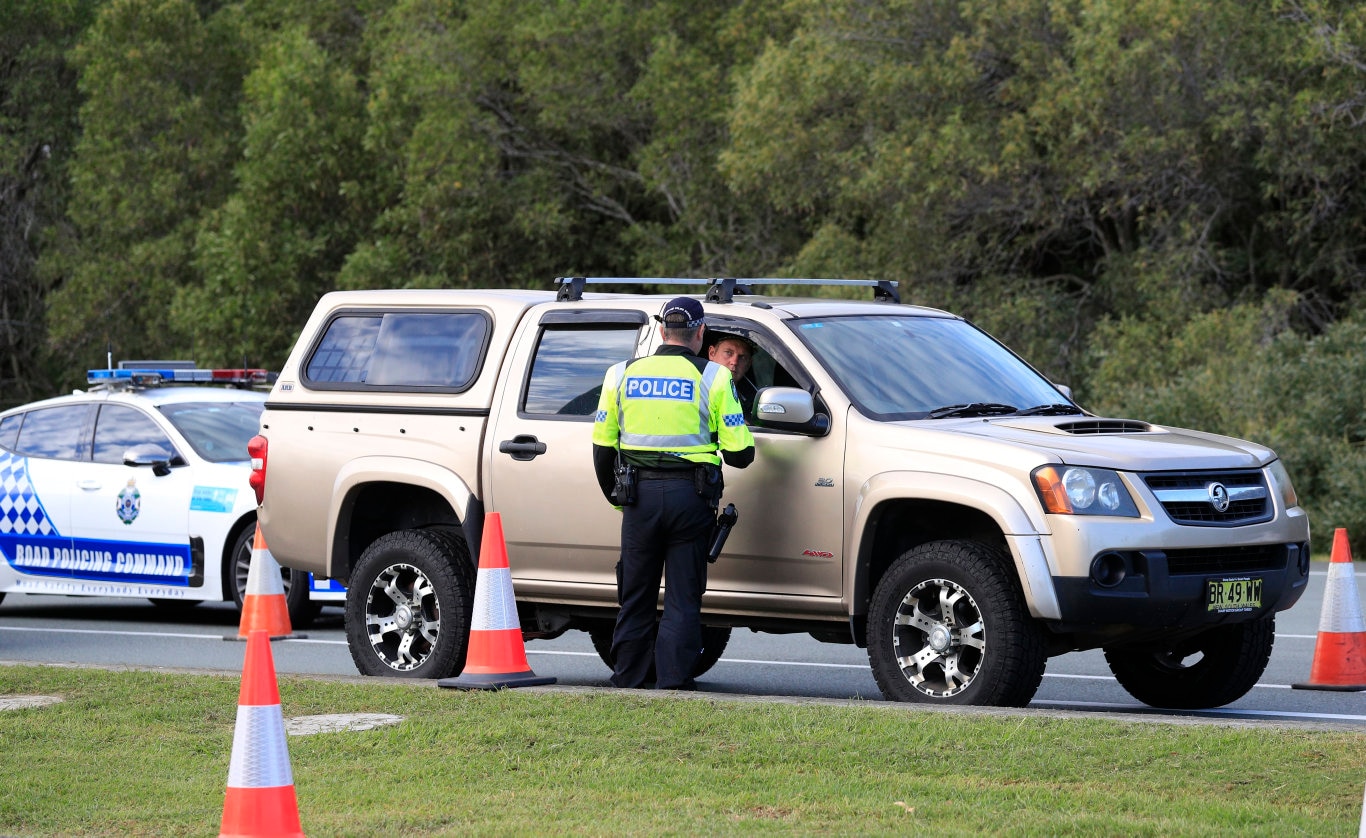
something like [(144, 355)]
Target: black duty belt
[(665, 473)]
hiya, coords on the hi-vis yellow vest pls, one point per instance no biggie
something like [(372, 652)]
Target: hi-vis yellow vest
[(665, 404)]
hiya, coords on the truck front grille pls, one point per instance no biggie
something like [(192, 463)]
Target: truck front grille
[(1226, 560), (1195, 498)]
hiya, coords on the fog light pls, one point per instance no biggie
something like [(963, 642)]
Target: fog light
[(1304, 557), (1108, 569)]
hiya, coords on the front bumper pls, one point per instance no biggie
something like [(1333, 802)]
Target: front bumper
[(1167, 589)]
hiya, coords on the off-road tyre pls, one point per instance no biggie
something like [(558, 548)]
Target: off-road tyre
[(1211, 669), (409, 604), (948, 624), (714, 641), (301, 609)]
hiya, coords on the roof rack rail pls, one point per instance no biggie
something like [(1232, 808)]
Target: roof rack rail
[(720, 289)]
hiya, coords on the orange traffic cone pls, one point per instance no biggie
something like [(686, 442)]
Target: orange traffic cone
[(260, 797), (1340, 653), (496, 656), (263, 605)]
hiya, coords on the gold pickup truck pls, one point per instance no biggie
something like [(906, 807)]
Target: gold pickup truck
[(918, 490)]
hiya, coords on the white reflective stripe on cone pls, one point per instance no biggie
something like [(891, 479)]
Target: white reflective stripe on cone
[(495, 607), (1341, 604), (260, 757)]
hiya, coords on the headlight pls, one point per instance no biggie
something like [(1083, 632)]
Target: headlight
[(1072, 490), (1280, 480)]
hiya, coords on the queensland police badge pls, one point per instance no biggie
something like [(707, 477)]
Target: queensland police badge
[(129, 502)]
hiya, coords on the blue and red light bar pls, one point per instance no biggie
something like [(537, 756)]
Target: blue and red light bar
[(157, 377)]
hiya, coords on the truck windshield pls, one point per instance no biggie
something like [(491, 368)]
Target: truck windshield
[(924, 367)]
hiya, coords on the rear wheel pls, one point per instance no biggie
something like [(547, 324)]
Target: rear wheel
[(409, 604), (1211, 669), (301, 609), (948, 625), (714, 640)]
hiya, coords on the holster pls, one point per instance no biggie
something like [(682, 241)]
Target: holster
[(708, 482)]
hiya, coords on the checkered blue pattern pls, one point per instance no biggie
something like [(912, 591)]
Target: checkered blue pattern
[(601, 416), (20, 511), (734, 420)]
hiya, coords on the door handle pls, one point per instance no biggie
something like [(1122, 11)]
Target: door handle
[(522, 447), (88, 485)]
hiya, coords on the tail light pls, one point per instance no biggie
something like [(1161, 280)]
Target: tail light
[(256, 449)]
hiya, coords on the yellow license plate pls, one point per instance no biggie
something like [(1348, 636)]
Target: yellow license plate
[(1233, 594)]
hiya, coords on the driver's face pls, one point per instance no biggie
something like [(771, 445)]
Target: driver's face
[(734, 355)]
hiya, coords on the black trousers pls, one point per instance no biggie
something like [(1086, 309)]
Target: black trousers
[(664, 534)]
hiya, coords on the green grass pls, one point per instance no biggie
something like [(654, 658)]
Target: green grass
[(144, 753)]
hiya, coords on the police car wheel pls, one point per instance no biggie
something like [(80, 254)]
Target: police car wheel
[(236, 572), (948, 625), (1211, 669), (714, 641), (409, 603)]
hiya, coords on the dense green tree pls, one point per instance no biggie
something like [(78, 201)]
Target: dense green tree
[(38, 128), (159, 133), (267, 254), (524, 140), (1089, 157)]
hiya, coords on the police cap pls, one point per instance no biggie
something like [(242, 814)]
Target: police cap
[(681, 313)]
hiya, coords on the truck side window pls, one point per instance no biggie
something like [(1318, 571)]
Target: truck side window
[(567, 370), (400, 351)]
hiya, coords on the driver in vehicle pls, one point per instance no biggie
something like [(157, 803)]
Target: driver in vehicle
[(736, 354)]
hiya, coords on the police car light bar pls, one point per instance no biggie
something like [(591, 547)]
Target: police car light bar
[(157, 377)]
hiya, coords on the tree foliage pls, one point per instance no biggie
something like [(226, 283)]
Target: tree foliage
[(1155, 201), (159, 135), (38, 126)]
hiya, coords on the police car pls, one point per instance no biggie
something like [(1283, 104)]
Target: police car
[(137, 487)]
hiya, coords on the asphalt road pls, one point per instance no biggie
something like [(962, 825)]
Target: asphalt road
[(110, 632)]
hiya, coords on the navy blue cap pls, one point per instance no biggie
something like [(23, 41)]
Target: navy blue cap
[(681, 312)]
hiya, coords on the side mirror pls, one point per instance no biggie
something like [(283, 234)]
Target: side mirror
[(149, 455), (784, 406), (789, 408)]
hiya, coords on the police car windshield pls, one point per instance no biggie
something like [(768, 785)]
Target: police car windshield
[(218, 431), (914, 366)]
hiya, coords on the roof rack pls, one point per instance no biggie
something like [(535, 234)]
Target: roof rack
[(720, 289)]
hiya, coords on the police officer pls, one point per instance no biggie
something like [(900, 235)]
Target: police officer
[(671, 417)]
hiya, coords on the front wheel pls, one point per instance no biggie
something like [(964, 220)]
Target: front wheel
[(409, 604), (948, 625), (1211, 669)]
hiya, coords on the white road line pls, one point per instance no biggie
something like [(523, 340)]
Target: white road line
[(555, 652), (796, 663), (1143, 708), (48, 630)]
